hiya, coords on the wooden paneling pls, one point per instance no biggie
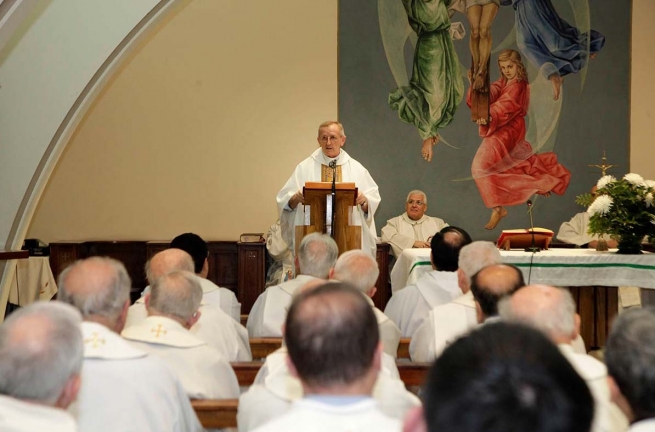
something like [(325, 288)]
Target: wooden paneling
[(224, 264), (383, 285), (597, 306), (252, 273)]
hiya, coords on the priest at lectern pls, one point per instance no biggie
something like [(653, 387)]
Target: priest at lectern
[(317, 168)]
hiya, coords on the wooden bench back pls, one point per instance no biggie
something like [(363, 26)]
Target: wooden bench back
[(261, 347)]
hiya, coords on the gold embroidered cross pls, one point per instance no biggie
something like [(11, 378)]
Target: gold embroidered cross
[(158, 330), (95, 340)]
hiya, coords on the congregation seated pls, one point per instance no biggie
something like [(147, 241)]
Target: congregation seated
[(630, 359), (123, 388), (215, 327), (317, 254), (212, 294), (332, 338), (173, 308), (360, 270), (412, 229), (448, 321), (552, 311), (410, 306), (40, 364), (503, 377)]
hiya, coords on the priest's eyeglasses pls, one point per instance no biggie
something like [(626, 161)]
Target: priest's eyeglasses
[(418, 203)]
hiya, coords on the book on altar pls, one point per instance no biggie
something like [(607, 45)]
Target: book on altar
[(522, 238)]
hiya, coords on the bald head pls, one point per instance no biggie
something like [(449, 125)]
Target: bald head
[(492, 283), (357, 268), (175, 295), (99, 288), (167, 261), (549, 309)]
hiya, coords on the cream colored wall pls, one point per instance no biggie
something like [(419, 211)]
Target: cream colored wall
[(642, 91), (203, 126)]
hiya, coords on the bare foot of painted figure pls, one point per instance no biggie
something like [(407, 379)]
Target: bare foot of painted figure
[(557, 85), (426, 150), (497, 213)]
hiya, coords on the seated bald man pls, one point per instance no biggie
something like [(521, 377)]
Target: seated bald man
[(412, 229)]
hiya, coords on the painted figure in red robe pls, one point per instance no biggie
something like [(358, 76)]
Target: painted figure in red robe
[(505, 168)]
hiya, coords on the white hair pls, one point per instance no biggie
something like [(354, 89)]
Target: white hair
[(177, 294), (317, 254), (417, 192), (41, 349), (476, 256), (357, 268)]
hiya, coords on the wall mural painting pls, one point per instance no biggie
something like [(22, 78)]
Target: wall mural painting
[(515, 158)]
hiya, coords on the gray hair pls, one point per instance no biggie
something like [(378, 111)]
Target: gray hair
[(330, 123), (476, 256), (357, 268), (95, 286), (417, 192), (41, 349), (166, 261), (177, 294), (555, 318), (630, 356), (317, 254)]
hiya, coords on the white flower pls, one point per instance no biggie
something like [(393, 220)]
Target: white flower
[(633, 178), (649, 199), (604, 180), (601, 204), (650, 183)]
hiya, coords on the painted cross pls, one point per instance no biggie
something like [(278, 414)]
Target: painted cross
[(158, 330)]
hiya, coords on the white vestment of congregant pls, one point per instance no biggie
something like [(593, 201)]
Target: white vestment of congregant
[(274, 390), (215, 327), (575, 230), (203, 371), (444, 324), (410, 307), (270, 309), (19, 416), (647, 425), (124, 388), (607, 416), (389, 331), (309, 170), (401, 232)]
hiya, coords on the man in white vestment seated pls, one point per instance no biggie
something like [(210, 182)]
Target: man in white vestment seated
[(123, 388), (552, 311), (40, 364), (412, 229), (630, 360), (410, 306), (215, 327), (316, 168), (576, 232), (332, 338), (447, 322), (173, 307), (212, 294), (360, 270), (503, 377), (317, 254)]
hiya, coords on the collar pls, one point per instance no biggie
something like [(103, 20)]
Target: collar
[(320, 157), (407, 219), (162, 331), (102, 343)]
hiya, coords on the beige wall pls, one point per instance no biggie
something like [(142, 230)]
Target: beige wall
[(203, 126)]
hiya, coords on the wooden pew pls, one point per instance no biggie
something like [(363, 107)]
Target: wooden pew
[(261, 347), (216, 414)]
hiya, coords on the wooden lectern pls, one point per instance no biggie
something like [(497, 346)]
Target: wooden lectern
[(318, 196)]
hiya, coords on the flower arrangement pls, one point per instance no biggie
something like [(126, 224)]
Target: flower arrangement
[(623, 209)]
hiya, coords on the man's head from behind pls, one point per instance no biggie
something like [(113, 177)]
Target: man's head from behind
[(317, 254), (41, 353), (99, 288), (416, 204), (176, 295), (195, 246), (505, 377), (473, 258), (167, 261), (358, 269), (333, 340), (549, 309), (630, 360), (445, 248), (493, 283)]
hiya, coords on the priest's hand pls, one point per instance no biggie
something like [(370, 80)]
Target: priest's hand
[(420, 244), (296, 199), (362, 201)]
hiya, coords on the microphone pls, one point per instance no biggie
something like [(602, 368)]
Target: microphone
[(532, 248), (333, 165)]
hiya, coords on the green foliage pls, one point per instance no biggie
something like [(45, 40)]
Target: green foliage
[(584, 199)]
